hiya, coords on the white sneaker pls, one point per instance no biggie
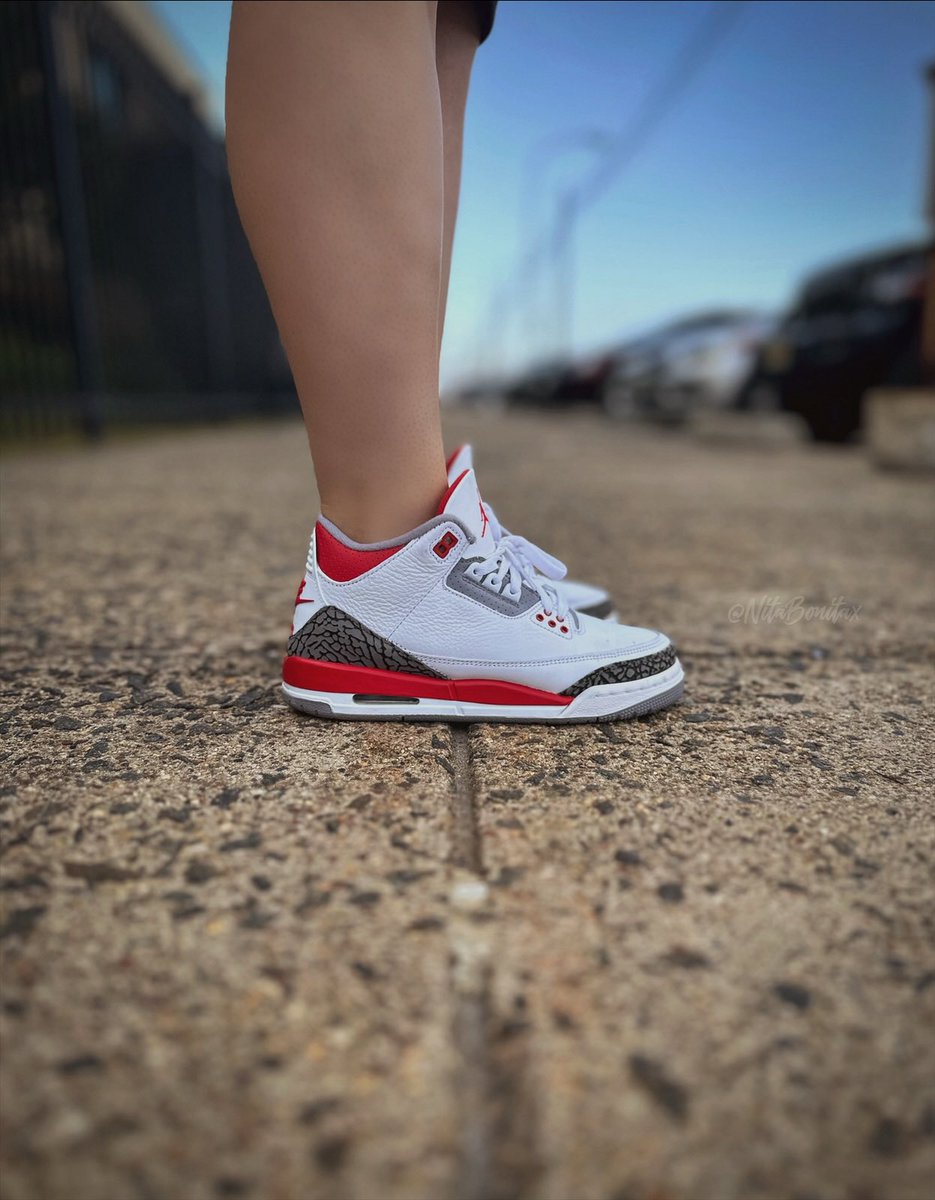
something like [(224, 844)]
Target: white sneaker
[(450, 623), (582, 597)]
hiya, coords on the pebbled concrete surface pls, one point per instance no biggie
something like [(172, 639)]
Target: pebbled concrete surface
[(684, 958)]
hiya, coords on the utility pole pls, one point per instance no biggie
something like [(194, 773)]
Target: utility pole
[(557, 243), (540, 157), (563, 270)]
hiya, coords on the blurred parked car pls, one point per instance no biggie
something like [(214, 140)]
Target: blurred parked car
[(564, 382), (585, 381), (707, 359), (538, 385), (630, 389), (854, 326), (482, 392)]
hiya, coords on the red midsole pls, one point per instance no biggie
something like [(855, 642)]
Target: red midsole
[(317, 676)]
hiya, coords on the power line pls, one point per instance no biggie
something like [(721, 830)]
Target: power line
[(694, 56), (656, 106)]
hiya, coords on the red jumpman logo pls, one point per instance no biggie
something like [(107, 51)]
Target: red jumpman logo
[(483, 514)]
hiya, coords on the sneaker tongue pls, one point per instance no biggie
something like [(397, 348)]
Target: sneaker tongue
[(462, 500), (461, 460)]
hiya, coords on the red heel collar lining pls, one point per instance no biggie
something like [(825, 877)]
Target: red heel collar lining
[(343, 563)]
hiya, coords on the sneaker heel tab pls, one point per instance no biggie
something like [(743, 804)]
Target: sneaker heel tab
[(449, 492)]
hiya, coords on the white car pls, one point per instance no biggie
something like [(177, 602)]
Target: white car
[(705, 360), (709, 361)]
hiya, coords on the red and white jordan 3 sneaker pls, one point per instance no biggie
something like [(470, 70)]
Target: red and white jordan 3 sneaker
[(452, 623), (582, 597)]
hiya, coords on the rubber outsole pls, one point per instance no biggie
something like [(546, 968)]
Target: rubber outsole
[(640, 708)]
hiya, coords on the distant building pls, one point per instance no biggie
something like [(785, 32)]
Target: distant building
[(127, 289)]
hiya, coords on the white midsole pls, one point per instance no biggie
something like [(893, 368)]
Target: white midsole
[(595, 702)]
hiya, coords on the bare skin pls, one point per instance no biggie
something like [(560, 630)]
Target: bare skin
[(344, 142), (455, 47)]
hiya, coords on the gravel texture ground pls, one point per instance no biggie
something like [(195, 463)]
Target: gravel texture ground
[(248, 954)]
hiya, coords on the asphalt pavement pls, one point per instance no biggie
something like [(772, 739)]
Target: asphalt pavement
[(250, 954)]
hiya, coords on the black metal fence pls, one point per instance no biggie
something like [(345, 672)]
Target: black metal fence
[(127, 289)]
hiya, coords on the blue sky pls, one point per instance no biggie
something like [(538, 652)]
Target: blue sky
[(802, 139)]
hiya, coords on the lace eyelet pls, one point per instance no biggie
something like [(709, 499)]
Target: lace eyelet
[(540, 617), (564, 629)]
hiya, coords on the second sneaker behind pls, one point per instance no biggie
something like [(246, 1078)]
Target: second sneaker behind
[(584, 598)]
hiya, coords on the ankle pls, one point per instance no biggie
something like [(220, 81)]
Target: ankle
[(378, 515)]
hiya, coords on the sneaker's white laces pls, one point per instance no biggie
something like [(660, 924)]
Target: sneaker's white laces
[(514, 561)]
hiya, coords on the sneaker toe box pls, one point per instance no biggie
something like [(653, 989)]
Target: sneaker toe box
[(627, 653)]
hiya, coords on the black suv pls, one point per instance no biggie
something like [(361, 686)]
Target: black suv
[(854, 326)]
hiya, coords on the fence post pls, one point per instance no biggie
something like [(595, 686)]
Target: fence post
[(73, 220), (209, 168)]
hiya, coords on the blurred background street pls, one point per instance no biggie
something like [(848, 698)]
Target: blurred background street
[(674, 207), (691, 333)]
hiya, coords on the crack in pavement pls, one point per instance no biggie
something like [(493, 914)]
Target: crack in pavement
[(465, 835), (498, 1158)]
